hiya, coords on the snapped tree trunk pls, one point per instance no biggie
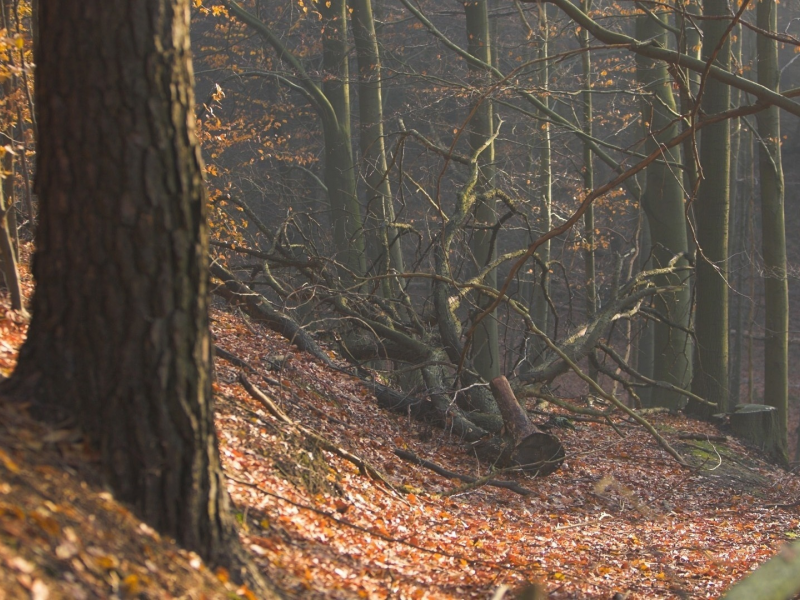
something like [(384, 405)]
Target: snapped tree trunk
[(529, 448), (119, 337)]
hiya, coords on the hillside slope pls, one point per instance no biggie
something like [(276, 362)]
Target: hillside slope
[(620, 516)]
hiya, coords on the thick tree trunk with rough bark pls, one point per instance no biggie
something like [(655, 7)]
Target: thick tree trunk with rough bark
[(340, 176), (119, 338)]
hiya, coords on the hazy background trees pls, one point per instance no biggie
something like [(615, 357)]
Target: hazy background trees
[(503, 117)]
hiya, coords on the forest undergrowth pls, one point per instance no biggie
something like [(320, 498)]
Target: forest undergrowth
[(620, 516)]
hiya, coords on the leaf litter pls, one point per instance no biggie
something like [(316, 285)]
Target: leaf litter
[(620, 517)]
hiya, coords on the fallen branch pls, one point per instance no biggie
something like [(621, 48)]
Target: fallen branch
[(363, 466), (258, 307), (242, 364), (702, 437), (661, 384), (508, 485), (593, 385)]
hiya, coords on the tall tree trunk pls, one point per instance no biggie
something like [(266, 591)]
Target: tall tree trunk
[(711, 213), (387, 253), (8, 258), (773, 232), (542, 177), (588, 180), (340, 175), (9, 241), (737, 241), (689, 43), (663, 204), (486, 354), (119, 337), (9, 87), (644, 343)]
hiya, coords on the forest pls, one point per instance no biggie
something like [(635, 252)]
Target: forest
[(399, 298)]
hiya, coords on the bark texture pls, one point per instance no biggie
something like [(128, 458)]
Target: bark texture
[(485, 352), (385, 253), (711, 211), (663, 205), (340, 177), (773, 235), (119, 337)]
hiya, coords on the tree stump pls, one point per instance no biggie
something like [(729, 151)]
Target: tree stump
[(757, 423), (526, 446)]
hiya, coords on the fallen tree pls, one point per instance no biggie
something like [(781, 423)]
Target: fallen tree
[(442, 403)]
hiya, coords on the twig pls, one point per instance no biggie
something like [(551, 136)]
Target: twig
[(787, 505), (593, 385), (509, 485)]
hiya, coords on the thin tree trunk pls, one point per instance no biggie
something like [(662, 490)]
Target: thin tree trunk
[(387, 253), (543, 178), (644, 344), (485, 344), (663, 204), (588, 181), (711, 209), (773, 231), (737, 241), (689, 43), (8, 259)]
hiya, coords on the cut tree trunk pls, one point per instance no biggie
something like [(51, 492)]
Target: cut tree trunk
[(526, 446), (757, 423)]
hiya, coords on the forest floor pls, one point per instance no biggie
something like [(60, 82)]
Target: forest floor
[(620, 516)]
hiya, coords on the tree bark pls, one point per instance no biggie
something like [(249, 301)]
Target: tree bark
[(664, 207), (485, 349), (776, 579), (119, 337), (386, 252), (340, 178), (711, 212), (773, 231), (588, 178), (532, 449)]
